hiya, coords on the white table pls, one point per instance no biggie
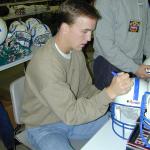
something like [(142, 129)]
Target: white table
[(105, 139)]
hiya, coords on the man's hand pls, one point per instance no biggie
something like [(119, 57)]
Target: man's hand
[(121, 84), (141, 72)]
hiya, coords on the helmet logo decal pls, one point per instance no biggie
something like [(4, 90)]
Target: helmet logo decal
[(133, 101)]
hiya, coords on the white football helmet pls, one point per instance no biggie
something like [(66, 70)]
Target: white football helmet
[(31, 22), (125, 110), (3, 31), (40, 34), (18, 34), (145, 120), (17, 26)]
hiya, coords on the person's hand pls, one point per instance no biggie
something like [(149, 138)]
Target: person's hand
[(141, 72), (121, 84)]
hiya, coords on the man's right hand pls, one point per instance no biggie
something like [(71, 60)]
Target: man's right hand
[(141, 72), (121, 84)]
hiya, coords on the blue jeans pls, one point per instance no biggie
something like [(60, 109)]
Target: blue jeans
[(57, 136)]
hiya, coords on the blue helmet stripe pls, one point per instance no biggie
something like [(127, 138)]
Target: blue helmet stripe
[(136, 89)]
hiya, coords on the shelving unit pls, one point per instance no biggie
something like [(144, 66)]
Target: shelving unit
[(13, 16), (17, 62), (48, 7), (23, 2), (47, 4)]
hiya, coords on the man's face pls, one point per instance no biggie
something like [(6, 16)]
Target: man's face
[(80, 32)]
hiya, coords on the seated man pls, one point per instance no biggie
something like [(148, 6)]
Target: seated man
[(60, 102)]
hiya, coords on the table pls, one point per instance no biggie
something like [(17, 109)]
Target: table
[(105, 139)]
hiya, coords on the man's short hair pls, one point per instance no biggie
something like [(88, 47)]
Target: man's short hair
[(71, 9)]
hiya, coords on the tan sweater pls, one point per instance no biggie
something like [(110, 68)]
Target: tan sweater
[(60, 89)]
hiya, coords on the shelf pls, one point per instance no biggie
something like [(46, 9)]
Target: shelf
[(21, 60), (13, 16), (17, 62), (49, 8), (24, 2)]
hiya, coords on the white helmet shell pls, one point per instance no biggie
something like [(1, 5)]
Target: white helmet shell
[(21, 28), (134, 96), (3, 31), (16, 24), (40, 34), (18, 33), (31, 22), (125, 110)]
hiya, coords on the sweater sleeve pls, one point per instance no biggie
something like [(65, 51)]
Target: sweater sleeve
[(86, 88), (71, 110), (104, 36)]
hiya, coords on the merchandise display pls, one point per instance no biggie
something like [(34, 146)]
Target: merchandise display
[(21, 36), (17, 44)]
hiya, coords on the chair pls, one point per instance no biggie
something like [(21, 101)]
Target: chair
[(16, 92)]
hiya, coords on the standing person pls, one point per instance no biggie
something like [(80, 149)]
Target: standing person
[(60, 102), (121, 39)]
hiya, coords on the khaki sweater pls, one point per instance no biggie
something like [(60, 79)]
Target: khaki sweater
[(60, 89)]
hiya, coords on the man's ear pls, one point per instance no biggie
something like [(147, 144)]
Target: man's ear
[(64, 27)]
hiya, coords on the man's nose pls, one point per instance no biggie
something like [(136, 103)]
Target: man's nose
[(89, 37)]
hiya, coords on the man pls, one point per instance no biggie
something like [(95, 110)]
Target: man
[(121, 39), (60, 101)]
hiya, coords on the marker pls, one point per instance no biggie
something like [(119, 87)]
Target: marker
[(114, 73)]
